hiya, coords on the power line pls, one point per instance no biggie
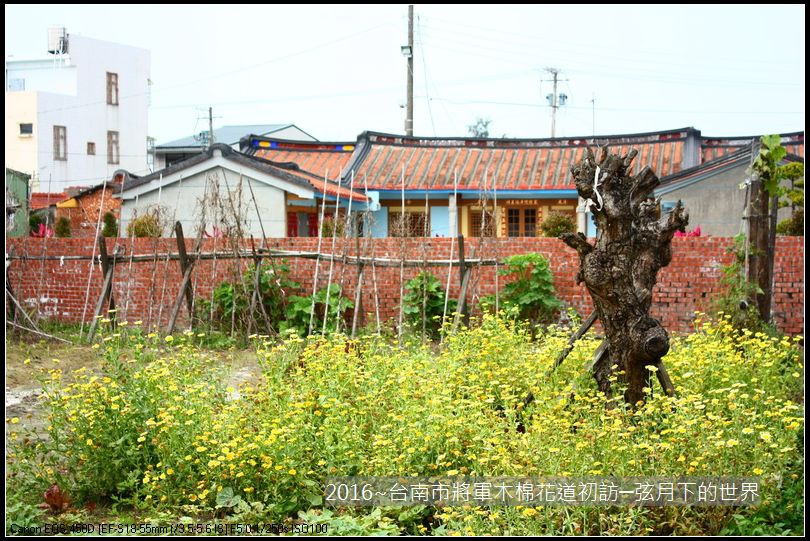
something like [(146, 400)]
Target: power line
[(588, 50), (424, 69), (226, 73), (646, 75), (617, 109)]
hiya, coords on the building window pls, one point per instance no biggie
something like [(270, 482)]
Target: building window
[(91, 149), (59, 143), (486, 219), (16, 85), (112, 89), (521, 222), (26, 129), (411, 224), (113, 153)]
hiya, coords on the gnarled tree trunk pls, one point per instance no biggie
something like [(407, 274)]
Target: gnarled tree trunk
[(633, 242)]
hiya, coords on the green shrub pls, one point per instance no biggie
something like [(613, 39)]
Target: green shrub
[(424, 304), (230, 303), (62, 227), (530, 293), (556, 224), (110, 228), (738, 299), (300, 312), (793, 226), (155, 428), (33, 222), (145, 226), (332, 226)]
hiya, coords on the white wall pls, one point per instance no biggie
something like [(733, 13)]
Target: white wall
[(21, 150), (187, 200), (75, 95), (55, 74)]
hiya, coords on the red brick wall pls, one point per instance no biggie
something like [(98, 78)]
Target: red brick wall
[(146, 290), (84, 218)]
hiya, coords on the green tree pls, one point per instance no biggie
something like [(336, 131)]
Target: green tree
[(792, 196), (766, 189), (62, 227), (110, 228), (556, 224), (480, 128)]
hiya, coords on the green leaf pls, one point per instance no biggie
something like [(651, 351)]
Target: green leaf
[(227, 499)]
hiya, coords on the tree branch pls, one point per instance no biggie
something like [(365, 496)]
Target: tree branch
[(578, 242)]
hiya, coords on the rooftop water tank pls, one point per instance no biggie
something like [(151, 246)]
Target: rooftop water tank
[(57, 40)]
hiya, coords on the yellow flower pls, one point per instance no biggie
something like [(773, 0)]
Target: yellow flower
[(169, 338), (292, 471), (89, 441), (15, 420), (758, 471)]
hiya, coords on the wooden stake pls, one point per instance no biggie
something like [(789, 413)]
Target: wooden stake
[(571, 341), (184, 264)]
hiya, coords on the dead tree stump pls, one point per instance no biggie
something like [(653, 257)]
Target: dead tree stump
[(619, 271)]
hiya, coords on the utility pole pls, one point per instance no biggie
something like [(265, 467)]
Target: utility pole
[(408, 52), (554, 73), (554, 99), (210, 126)]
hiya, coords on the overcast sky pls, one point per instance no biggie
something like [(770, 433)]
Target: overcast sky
[(336, 71)]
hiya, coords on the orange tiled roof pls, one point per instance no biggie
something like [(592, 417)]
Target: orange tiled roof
[(716, 147), (342, 192), (515, 164), (41, 200), (314, 157)]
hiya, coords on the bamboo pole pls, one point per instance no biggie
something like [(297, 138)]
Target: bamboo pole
[(318, 259), (403, 228)]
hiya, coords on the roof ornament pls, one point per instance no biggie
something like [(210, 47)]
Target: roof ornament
[(596, 183)]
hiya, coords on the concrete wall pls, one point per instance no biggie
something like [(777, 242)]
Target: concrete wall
[(716, 204), (22, 150)]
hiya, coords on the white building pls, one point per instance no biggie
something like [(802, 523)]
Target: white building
[(79, 115), (222, 192)]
